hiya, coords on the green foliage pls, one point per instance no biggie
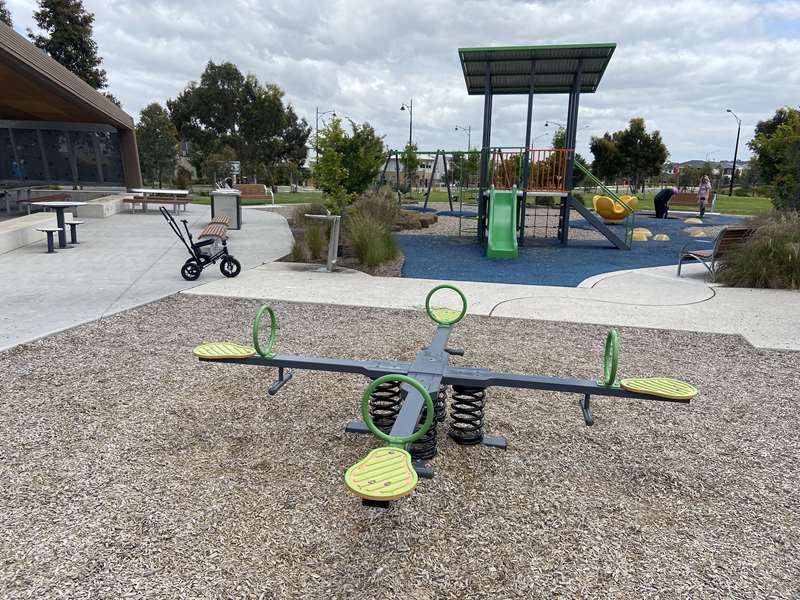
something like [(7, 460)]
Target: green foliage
[(777, 150), (228, 109), (299, 214), (67, 37), (770, 258), (158, 143), (630, 153), (183, 178), (216, 165), (5, 16), (380, 205), (371, 242), (348, 163), (410, 162), (299, 251), (560, 141), (316, 238)]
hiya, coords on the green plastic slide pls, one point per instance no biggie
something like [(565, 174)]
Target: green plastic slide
[(502, 224)]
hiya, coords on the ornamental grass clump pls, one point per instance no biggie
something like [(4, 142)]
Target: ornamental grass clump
[(770, 258), (371, 241)]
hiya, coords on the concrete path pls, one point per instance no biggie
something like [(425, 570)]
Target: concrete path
[(122, 261), (652, 297)]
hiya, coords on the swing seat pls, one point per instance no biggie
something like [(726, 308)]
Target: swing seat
[(663, 387), (384, 474), (222, 351)]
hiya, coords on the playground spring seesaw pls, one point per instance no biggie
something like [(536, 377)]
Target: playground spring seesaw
[(405, 400)]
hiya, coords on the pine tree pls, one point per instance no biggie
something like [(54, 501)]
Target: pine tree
[(5, 16), (67, 37)]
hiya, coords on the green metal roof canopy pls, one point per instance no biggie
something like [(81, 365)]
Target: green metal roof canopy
[(556, 68)]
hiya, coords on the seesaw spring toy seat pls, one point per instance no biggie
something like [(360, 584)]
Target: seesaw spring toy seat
[(663, 387), (222, 350), (384, 474)]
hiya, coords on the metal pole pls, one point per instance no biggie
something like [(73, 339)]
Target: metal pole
[(485, 150), (572, 127), (316, 139), (735, 154), (526, 166), (410, 121)]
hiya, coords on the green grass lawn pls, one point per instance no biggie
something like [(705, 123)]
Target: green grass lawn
[(282, 198), (727, 205)]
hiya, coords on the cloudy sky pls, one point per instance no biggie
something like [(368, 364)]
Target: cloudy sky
[(677, 64)]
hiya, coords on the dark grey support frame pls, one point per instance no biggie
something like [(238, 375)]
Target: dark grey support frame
[(572, 130)]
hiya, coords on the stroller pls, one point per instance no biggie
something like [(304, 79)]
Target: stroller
[(202, 253)]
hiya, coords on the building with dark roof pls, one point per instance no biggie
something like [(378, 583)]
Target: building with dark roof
[(55, 128)]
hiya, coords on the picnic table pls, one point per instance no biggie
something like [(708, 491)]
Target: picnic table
[(59, 207), (156, 194)]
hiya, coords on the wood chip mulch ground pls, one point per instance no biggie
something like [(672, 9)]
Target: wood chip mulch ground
[(131, 470)]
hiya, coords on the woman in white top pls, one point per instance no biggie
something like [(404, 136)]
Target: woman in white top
[(703, 194)]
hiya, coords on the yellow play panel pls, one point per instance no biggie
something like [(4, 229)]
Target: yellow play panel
[(384, 474), (222, 350), (663, 387), (445, 314)]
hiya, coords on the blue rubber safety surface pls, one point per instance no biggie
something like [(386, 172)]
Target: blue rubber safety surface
[(547, 262)]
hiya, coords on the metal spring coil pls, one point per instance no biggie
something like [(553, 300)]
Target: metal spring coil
[(425, 447), (466, 414), (384, 405)]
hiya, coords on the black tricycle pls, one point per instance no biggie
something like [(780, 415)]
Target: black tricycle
[(202, 253)]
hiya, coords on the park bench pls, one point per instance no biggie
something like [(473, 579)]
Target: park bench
[(217, 230), (727, 240), (49, 231), (221, 219), (689, 200), (254, 191), (48, 198), (134, 200)]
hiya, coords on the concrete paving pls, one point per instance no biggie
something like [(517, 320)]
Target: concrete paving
[(653, 297), (121, 261)]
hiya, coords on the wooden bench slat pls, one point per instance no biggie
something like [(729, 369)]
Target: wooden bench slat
[(218, 230)]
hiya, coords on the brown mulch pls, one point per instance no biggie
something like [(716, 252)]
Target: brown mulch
[(129, 469)]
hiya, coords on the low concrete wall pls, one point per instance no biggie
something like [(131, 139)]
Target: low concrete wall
[(101, 208), (15, 233)]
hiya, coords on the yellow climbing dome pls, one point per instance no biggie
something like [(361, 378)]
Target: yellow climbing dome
[(696, 232), (640, 236), (610, 210), (384, 474), (693, 221), (661, 237)]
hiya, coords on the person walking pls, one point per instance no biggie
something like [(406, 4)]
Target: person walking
[(703, 194), (661, 202)]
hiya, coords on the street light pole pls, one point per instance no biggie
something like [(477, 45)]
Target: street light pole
[(410, 107), (468, 129), (736, 149)]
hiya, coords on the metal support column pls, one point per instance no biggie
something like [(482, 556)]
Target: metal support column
[(572, 129), (526, 165), (485, 152), (430, 179), (397, 174)]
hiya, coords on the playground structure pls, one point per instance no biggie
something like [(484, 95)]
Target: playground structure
[(531, 70), (406, 400)]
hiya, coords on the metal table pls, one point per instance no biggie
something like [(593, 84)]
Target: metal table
[(59, 207)]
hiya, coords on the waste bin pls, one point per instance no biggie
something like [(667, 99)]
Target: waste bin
[(229, 203)]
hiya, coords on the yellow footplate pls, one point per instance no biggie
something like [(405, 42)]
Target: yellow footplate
[(660, 386), (222, 350), (384, 474)]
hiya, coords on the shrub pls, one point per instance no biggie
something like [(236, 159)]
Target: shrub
[(315, 238), (770, 258), (300, 212), (371, 241), (381, 205), (299, 251)]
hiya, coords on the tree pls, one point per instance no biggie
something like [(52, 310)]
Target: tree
[(158, 143), (68, 39), (348, 163), (5, 16), (631, 153), (778, 156), (769, 164), (410, 162), (228, 109), (560, 141)]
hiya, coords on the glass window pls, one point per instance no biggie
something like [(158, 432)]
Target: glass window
[(8, 167), (56, 150), (83, 146), (110, 157), (29, 154)]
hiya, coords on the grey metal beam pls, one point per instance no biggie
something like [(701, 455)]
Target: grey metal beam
[(597, 223), (572, 128), (526, 166)]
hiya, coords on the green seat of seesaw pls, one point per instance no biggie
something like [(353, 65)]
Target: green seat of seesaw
[(384, 474)]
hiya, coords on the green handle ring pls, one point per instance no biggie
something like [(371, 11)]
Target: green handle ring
[(273, 326), (397, 440), (446, 286), (611, 359)]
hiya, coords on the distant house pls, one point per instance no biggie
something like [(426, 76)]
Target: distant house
[(424, 170), (56, 128)]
